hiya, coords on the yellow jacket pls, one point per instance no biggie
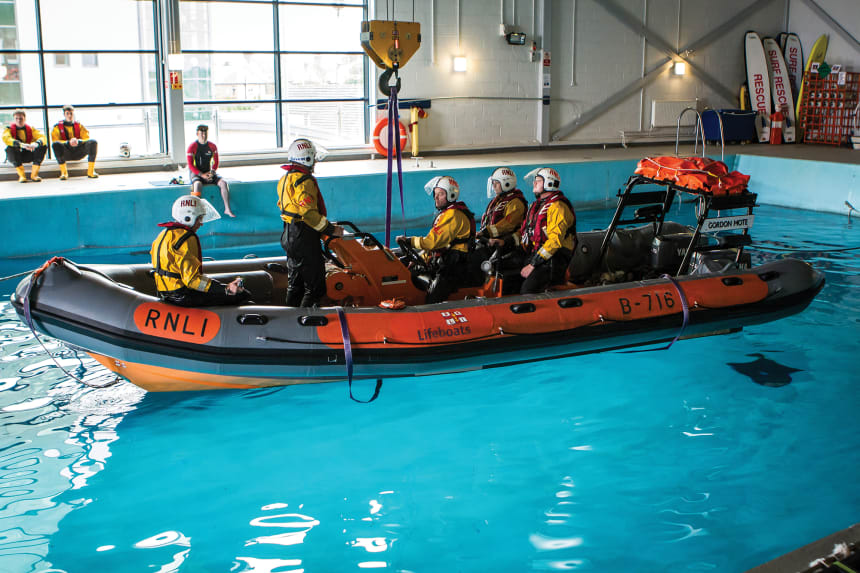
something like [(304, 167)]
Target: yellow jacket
[(176, 259), (299, 198), (452, 229), (512, 219), (557, 223), (38, 136), (70, 132)]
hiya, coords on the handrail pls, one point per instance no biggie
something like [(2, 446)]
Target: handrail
[(699, 129)]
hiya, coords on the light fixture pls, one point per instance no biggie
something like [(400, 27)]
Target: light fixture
[(680, 68), (175, 62), (460, 64)]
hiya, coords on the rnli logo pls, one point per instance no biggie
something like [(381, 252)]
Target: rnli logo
[(302, 146), (188, 203), (193, 325)]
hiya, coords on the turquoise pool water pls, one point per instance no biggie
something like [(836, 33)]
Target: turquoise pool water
[(717, 455)]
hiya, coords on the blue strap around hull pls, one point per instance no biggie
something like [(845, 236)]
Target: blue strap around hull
[(347, 351)]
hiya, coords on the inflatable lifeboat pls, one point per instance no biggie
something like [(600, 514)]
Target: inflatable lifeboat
[(641, 281)]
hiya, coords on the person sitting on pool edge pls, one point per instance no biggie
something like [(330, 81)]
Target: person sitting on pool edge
[(176, 258), (449, 241), (71, 141), (548, 233), (24, 144), (202, 163)]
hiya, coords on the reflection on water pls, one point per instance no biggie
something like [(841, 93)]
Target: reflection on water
[(662, 461)]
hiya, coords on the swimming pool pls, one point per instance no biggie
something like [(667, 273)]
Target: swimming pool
[(718, 454)]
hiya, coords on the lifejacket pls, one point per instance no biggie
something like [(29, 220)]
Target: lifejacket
[(163, 272), (13, 130), (496, 209), (470, 240), (534, 225), (307, 175), (61, 128)]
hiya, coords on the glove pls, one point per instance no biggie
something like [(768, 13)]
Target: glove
[(403, 239)]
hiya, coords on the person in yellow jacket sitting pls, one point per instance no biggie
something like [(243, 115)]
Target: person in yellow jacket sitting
[(304, 215), (548, 233), (176, 259), (446, 247), (71, 141), (24, 144)]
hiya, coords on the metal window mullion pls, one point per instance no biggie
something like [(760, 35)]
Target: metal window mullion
[(42, 73), (279, 122), (159, 77), (366, 81), (267, 101)]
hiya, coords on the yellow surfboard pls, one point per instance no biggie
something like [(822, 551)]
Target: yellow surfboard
[(819, 49)]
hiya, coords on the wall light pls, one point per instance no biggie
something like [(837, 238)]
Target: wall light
[(460, 63), (175, 62), (680, 68)]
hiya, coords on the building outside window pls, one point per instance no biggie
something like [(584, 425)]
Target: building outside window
[(259, 91), (98, 55)]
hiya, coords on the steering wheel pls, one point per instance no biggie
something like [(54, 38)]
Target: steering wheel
[(411, 254)]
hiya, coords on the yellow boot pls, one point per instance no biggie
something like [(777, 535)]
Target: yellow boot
[(64, 172), (22, 176), (34, 173), (91, 170)]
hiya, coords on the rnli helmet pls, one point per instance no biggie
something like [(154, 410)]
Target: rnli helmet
[(303, 152), (506, 178), (188, 208), (551, 178), (452, 190)]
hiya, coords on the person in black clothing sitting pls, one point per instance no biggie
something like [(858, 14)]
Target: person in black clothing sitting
[(202, 163)]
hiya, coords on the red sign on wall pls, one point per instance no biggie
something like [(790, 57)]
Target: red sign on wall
[(175, 80)]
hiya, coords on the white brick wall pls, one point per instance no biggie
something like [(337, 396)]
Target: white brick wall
[(608, 58)]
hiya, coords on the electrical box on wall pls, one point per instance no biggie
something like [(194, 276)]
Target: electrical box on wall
[(516, 38)]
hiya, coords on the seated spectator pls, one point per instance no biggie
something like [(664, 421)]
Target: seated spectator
[(71, 141), (24, 144), (202, 162)]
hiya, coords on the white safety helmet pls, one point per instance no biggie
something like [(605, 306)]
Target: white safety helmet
[(506, 178), (303, 152), (187, 208), (452, 190), (551, 178)]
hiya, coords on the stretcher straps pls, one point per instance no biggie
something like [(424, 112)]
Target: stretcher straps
[(393, 126), (28, 318), (347, 351)]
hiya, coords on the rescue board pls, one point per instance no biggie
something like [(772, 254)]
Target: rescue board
[(816, 56), (759, 84), (780, 87), (793, 55)]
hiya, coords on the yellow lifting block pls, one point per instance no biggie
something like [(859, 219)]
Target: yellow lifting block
[(390, 44)]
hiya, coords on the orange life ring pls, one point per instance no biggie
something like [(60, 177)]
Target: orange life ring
[(377, 142)]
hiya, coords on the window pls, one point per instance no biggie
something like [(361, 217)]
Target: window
[(311, 77), (108, 68)]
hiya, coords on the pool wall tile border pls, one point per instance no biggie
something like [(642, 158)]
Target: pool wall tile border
[(127, 219)]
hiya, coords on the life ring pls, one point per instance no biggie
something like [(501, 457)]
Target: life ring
[(377, 142)]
